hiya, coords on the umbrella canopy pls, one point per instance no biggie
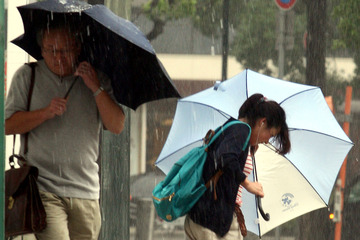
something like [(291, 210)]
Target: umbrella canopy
[(110, 43), (300, 181)]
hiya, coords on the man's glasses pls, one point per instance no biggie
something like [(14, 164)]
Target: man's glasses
[(57, 52)]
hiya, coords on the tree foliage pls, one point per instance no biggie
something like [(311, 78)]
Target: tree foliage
[(347, 13), (348, 25), (252, 25)]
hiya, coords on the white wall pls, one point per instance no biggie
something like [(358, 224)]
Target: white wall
[(15, 55)]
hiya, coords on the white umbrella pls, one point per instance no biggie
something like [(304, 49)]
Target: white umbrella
[(295, 184)]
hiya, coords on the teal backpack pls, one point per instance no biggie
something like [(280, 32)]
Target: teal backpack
[(184, 185)]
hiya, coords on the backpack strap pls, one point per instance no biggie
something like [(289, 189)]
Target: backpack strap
[(221, 129), (209, 139), (213, 182)]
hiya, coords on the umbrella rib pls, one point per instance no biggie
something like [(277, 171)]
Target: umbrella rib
[(311, 89), (324, 134), (207, 105), (274, 149)]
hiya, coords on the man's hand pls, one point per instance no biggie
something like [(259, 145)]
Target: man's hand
[(24, 121), (89, 76), (56, 107)]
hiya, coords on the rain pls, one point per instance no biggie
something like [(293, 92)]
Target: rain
[(188, 42)]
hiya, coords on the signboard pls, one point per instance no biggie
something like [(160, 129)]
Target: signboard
[(285, 4)]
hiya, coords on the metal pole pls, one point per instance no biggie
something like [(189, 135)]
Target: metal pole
[(342, 174), (281, 70), (225, 39), (115, 166), (2, 131), (281, 43)]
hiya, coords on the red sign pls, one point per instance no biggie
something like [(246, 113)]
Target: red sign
[(285, 4)]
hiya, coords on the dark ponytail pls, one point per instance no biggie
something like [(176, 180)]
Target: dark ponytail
[(256, 107)]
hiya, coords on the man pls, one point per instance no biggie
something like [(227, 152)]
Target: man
[(63, 139)]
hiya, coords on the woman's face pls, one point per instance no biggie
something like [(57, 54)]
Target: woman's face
[(261, 133)]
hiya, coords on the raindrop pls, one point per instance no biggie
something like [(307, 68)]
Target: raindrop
[(157, 134), (88, 30), (52, 15), (53, 156), (212, 50), (60, 172), (215, 162), (221, 24)]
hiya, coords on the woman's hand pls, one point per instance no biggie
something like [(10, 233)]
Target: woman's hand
[(253, 187)]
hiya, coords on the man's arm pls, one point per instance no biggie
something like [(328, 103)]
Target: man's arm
[(112, 115), (22, 122)]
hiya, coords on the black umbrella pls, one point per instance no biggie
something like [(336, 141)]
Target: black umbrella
[(110, 43)]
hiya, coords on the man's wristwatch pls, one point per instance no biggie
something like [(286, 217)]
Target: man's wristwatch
[(100, 89)]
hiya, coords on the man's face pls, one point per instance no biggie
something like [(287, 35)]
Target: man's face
[(60, 51)]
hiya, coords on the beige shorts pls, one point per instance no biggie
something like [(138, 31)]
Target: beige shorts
[(195, 231), (70, 218)]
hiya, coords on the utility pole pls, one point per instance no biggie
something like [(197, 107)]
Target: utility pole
[(225, 39), (342, 174), (281, 38), (115, 164), (280, 45), (2, 119)]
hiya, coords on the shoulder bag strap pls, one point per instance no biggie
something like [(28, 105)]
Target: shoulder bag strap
[(31, 87)]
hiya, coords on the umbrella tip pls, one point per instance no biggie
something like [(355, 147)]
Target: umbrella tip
[(216, 85)]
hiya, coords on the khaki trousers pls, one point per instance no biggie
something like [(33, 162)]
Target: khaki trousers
[(195, 231), (70, 218)]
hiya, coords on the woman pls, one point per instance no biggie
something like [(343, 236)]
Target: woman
[(213, 218)]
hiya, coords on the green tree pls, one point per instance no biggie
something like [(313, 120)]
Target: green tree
[(256, 35), (346, 12), (253, 24)]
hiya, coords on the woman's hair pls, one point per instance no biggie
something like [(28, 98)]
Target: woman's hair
[(256, 107)]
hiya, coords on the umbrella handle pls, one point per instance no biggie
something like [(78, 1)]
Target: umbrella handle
[(71, 86), (266, 216)]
